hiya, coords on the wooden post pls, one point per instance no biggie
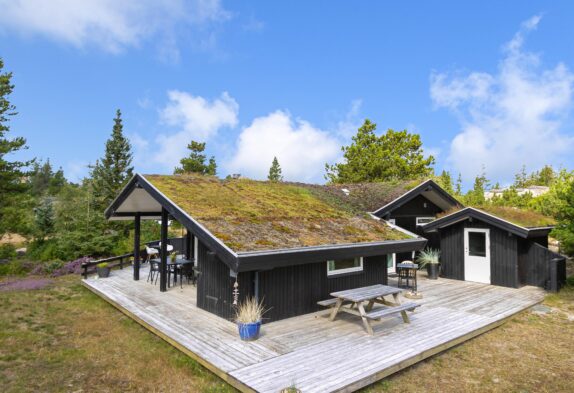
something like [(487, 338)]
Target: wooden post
[(163, 252), (188, 244), (137, 227)]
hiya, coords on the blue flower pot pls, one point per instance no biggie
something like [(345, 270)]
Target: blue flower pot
[(249, 331)]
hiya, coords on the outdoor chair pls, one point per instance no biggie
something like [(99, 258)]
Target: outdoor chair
[(153, 270), (186, 270), (168, 247), (150, 253)]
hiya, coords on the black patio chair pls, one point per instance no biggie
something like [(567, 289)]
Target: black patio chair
[(186, 270), (153, 270)]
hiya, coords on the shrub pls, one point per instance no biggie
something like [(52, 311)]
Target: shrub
[(7, 251), (51, 267), (102, 265), (14, 268)]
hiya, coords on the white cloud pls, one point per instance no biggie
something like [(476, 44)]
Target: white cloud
[(510, 118), (109, 24), (194, 118), (302, 150), (348, 126)]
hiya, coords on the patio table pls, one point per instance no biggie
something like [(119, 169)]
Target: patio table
[(364, 299), (174, 264)]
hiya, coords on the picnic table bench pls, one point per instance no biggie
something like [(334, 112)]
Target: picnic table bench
[(364, 299)]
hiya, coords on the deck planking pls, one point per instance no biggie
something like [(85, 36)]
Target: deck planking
[(309, 351)]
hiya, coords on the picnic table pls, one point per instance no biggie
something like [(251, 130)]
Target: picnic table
[(364, 299)]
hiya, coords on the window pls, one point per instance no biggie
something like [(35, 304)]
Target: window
[(348, 265), (477, 244), (424, 220)]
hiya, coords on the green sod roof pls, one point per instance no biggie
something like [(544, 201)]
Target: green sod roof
[(249, 215), (520, 217)]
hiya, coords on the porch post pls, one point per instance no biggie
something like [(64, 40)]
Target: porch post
[(188, 244), (137, 226), (163, 252)]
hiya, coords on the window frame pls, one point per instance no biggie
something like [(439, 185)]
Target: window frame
[(337, 272), (418, 224)]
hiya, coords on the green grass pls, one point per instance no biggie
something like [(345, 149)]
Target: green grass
[(65, 339)]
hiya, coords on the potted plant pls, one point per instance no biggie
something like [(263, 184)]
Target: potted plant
[(429, 258), (103, 270), (248, 318), (173, 257)]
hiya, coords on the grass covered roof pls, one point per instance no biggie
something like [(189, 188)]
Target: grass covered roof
[(520, 217), (249, 215)]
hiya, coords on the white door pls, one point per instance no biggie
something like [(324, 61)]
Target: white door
[(477, 255)]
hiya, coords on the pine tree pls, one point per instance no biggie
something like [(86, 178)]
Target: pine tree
[(458, 186), (275, 171), (394, 155), (195, 162), (475, 197), (12, 188), (44, 218), (445, 181), (111, 173)]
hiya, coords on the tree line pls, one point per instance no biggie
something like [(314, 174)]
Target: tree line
[(65, 220)]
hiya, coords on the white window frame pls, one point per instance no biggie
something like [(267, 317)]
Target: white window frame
[(424, 218), (344, 271), (392, 269), (195, 249)]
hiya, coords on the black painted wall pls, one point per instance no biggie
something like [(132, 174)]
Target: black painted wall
[(295, 290), (503, 253), (533, 262), (215, 285), (405, 217)]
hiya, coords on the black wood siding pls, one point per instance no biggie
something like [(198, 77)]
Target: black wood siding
[(215, 285), (533, 260), (503, 253), (295, 290), (405, 216)]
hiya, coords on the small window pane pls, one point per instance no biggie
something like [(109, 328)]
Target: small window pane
[(477, 244), (390, 261), (344, 265)]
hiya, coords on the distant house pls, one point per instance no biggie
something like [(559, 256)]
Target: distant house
[(535, 191), (292, 244)]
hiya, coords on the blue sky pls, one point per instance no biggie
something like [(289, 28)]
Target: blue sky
[(485, 84)]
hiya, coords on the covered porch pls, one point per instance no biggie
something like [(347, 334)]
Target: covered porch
[(309, 351)]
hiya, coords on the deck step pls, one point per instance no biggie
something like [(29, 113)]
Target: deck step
[(328, 302), (382, 312)]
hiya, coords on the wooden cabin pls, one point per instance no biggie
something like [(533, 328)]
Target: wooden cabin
[(292, 244), (289, 244)]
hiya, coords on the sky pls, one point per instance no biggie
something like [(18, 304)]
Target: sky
[(488, 85)]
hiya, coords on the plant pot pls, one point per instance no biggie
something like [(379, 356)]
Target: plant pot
[(432, 270), (103, 272), (249, 331)]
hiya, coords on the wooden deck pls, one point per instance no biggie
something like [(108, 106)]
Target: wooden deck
[(309, 351)]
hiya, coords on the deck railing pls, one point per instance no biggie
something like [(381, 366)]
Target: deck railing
[(117, 261), (123, 260)]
